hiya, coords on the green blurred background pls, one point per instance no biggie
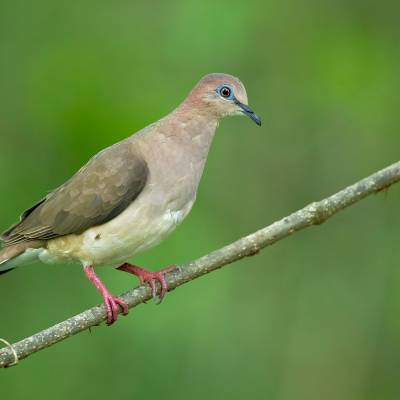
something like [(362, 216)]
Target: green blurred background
[(316, 316)]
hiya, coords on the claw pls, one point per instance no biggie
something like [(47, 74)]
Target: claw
[(149, 277), (112, 303)]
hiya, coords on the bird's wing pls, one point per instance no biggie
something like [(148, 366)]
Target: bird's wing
[(97, 193)]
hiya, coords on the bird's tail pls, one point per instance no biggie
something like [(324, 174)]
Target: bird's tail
[(4, 257), (12, 256), (6, 270)]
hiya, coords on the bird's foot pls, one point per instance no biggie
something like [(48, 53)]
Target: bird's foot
[(150, 277), (111, 302)]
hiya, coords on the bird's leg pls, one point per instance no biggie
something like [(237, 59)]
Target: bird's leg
[(111, 302), (150, 277)]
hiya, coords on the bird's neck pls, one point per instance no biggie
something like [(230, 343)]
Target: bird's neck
[(186, 137), (193, 126)]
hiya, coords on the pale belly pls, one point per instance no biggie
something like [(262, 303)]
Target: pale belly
[(138, 228)]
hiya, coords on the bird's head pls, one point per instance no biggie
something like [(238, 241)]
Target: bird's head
[(222, 95)]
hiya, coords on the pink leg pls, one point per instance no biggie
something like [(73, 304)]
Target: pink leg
[(111, 302), (150, 277)]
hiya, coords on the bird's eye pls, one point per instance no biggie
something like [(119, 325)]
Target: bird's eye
[(225, 92)]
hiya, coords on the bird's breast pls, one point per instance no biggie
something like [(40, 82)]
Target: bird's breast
[(142, 225)]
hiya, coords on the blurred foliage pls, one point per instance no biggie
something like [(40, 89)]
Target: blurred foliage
[(315, 317)]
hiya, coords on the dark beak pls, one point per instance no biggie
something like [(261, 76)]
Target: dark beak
[(248, 111)]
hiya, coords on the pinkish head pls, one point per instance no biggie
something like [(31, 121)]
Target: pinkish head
[(223, 95)]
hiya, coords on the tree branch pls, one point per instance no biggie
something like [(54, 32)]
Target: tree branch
[(313, 214)]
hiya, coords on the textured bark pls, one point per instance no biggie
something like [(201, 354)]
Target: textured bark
[(313, 214)]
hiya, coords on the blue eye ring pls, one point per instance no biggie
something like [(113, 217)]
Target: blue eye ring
[(226, 92)]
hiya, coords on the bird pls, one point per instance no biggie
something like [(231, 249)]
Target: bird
[(130, 196)]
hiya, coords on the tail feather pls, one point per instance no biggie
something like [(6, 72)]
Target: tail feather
[(9, 253), (5, 271), (4, 256)]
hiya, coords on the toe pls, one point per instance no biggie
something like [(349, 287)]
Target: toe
[(152, 284), (110, 317), (124, 306), (169, 269), (109, 312), (114, 312), (164, 287)]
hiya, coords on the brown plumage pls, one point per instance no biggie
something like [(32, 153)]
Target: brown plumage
[(98, 192)]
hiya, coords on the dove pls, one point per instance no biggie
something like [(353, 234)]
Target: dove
[(130, 196)]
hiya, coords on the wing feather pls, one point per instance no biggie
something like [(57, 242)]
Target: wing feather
[(97, 193)]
